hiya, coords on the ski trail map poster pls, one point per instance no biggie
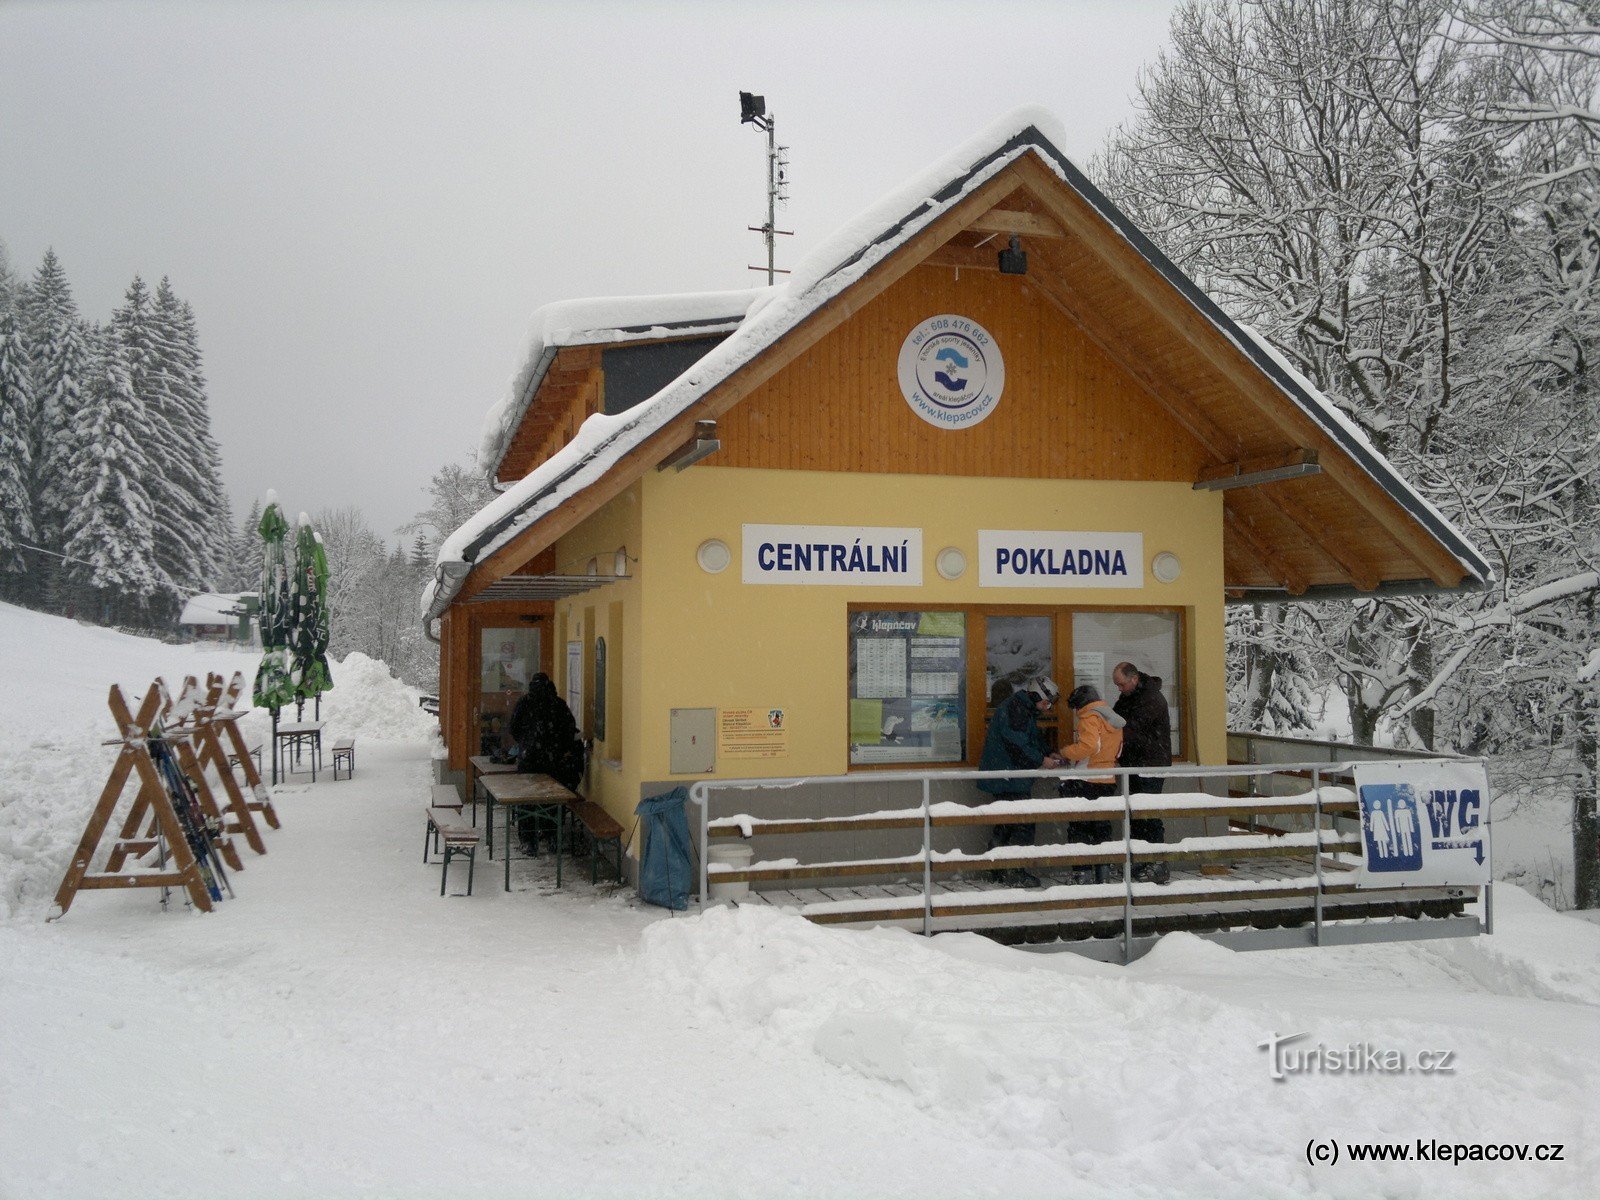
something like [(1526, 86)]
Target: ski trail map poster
[(1423, 823)]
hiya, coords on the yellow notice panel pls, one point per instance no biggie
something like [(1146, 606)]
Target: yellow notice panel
[(752, 733)]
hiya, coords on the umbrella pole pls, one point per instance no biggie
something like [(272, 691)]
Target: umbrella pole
[(274, 747)]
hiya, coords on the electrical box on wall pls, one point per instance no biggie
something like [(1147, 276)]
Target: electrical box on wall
[(694, 741)]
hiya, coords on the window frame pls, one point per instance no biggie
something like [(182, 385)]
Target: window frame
[(979, 711)]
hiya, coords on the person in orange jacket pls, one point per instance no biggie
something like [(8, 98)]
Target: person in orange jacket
[(1097, 742)]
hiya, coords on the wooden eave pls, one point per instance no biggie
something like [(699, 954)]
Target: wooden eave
[(1339, 529)]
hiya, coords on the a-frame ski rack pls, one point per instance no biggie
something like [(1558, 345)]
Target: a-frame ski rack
[(152, 800), (220, 715), (192, 725)]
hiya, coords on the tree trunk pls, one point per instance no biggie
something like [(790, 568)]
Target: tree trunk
[(1585, 821)]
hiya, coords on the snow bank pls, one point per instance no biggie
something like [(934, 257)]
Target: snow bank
[(1108, 1071), (368, 701), (53, 718)]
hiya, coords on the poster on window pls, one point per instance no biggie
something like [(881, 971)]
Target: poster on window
[(1423, 823), (907, 687)]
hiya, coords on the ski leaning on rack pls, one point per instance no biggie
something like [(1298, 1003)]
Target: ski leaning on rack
[(197, 831)]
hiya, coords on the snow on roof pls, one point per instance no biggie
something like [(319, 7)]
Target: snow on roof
[(825, 272), (213, 608), (598, 321)]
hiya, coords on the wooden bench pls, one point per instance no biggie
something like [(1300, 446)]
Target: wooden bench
[(253, 750), (446, 830), (447, 795), (344, 754), (600, 828)]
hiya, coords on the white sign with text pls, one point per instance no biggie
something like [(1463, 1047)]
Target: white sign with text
[(1423, 822), (856, 555), (1048, 558)]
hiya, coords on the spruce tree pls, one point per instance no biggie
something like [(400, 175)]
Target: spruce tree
[(16, 416), (110, 534), (200, 476), (58, 343), (173, 512)]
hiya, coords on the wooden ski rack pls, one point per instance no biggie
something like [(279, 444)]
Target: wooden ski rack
[(193, 724)]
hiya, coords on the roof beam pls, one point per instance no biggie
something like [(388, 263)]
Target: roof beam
[(1001, 220), (1181, 410), (1255, 547), (963, 258), (1252, 472)]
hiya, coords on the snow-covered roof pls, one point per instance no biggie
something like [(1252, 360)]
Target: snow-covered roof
[(600, 321), (213, 608), (828, 270)]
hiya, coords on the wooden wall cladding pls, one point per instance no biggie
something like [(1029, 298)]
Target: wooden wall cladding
[(1068, 411)]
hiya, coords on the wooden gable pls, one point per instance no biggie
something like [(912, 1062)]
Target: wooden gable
[(1099, 328), (1069, 411)]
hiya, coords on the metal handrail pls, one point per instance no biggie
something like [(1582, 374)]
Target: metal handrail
[(700, 795)]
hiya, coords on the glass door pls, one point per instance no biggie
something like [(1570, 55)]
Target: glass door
[(1018, 649), (508, 659)]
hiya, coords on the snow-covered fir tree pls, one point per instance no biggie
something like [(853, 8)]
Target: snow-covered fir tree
[(16, 417), (243, 571), (110, 531), (183, 392), (58, 343), (167, 470)]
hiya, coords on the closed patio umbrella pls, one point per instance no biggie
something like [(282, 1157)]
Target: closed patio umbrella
[(309, 628), (274, 686)]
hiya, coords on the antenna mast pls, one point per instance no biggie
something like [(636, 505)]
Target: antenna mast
[(753, 111)]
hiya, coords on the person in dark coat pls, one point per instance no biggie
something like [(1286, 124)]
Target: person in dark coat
[(1015, 742), (547, 741), (1146, 742)]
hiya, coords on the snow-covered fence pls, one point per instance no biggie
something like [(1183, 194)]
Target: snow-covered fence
[(1320, 902)]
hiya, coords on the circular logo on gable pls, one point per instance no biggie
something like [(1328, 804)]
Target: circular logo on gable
[(951, 372)]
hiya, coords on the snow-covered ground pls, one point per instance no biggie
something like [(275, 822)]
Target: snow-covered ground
[(341, 1030)]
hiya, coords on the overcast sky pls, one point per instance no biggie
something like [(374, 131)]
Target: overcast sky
[(365, 202)]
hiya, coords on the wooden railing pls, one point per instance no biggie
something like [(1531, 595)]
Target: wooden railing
[(1326, 849)]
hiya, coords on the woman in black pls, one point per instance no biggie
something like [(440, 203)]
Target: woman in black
[(547, 741)]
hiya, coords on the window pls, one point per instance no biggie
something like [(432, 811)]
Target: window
[(1148, 640), (908, 687), (915, 698)]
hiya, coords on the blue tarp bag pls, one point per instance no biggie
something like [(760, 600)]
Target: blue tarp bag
[(666, 871)]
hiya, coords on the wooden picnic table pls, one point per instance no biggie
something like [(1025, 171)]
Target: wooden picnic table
[(515, 790), (478, 766), (298, 734)]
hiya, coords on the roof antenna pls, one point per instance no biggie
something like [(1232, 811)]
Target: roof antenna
[(753, 111)]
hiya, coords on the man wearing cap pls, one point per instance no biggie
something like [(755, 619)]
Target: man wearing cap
[(1014, 742)]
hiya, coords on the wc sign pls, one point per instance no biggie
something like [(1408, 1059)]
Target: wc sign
[(1423, 823)]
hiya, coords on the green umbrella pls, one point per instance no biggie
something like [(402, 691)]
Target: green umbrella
[(274, 688), (309, 629)]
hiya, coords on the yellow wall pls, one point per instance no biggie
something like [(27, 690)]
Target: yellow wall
[(712, 641), (611, 611)]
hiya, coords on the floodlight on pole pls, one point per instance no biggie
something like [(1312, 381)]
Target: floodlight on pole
[(753, 111)]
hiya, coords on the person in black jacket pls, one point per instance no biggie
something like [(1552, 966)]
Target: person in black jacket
[(547, 742), (1146, 742)]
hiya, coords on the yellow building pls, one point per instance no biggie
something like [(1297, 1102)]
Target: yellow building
[(822, 528)]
